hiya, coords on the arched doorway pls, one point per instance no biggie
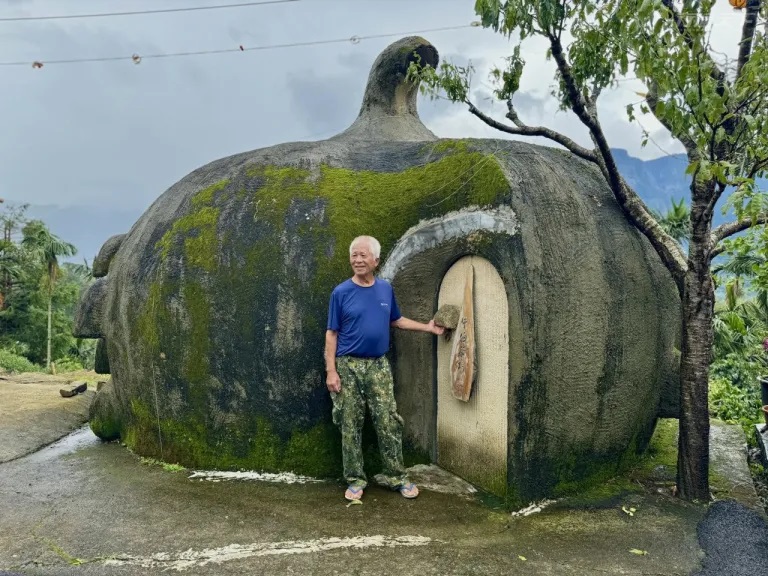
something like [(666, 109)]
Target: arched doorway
[(472, 435)]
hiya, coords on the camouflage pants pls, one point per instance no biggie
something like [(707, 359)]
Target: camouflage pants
[(368, 381)]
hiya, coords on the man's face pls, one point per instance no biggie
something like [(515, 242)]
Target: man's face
[(362, 260)]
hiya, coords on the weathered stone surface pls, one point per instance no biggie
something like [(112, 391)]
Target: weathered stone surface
[(104, 257), (592, 329), (104, 414), (101, 362), (213, 312), (68, 391), (88, 316), (669, 401)]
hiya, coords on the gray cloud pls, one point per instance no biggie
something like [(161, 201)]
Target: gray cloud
[(119, 134), (328, 103)]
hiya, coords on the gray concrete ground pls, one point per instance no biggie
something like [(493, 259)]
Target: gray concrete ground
[(85, 507), (33, 413)]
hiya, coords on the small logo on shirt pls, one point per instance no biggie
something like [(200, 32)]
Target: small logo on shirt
[(384, 304)]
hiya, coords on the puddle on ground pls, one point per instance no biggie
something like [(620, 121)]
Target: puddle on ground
[(73, 442)]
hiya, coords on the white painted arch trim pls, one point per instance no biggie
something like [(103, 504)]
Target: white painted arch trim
[(430, 233)]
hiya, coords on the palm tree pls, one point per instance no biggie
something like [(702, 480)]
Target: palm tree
[(48, 247), (677, 221), (10, 269)]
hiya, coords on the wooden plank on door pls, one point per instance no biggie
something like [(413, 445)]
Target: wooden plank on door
[(463, 355)]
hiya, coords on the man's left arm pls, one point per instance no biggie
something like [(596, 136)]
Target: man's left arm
[(407, 324)]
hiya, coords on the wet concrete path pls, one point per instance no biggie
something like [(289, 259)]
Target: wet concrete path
[(98, 510), (80, 506)]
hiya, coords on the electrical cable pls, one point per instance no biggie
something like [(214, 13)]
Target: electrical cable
[(142, 12), (136, 58)]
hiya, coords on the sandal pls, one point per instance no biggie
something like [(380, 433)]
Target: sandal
[(408, 490), (353, 493)]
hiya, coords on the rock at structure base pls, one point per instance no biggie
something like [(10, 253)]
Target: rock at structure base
[(103, 414), (73, 389)]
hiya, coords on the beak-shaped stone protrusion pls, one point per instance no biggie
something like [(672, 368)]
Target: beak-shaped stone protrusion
[(106, 254), (389, 109), (101, 364), (89, 311)]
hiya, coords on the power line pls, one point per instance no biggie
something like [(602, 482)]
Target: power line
[(137, 58), (141, 12)]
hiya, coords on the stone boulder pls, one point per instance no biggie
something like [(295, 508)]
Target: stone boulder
[(212, 309)]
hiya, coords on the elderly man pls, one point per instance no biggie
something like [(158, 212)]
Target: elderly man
[(360, 313)]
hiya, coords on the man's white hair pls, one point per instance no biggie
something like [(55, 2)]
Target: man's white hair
[(373, 244)]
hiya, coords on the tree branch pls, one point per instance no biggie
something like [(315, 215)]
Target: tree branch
[(630, 202), (730, 228), (653, 99), (747, 34), (719, 189), (522, 129), (758, 166), (682, 28)]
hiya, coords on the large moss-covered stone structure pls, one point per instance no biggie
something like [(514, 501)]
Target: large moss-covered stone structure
[(210, 312)]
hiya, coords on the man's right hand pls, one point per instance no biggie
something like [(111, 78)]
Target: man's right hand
[(333, 382)]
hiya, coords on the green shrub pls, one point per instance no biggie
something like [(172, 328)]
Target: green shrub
[(734, 404), (739, 368), (68, 364), (15, 363)]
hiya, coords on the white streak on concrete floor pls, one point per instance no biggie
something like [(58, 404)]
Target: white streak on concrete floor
[(533, 508), (282, 477), (191, 558)]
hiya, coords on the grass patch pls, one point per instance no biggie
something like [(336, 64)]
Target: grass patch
[(164, 465), (662, 450)]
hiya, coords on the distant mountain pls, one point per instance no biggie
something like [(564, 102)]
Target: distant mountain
[(657, 181), (663, 179)]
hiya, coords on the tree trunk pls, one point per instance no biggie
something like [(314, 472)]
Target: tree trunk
[(48, 353), (697, 333)]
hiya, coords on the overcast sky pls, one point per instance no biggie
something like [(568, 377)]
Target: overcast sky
[(118, 133)]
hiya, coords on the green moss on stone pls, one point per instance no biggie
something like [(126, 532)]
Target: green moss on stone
[(205, 196), (106, 427), (316, 451), (583, 473), (449, 146), (198, 229), (390, 202), (604, 483), (177, 319), (152, 316), (311, 451), (662, 450), (198, 337)]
